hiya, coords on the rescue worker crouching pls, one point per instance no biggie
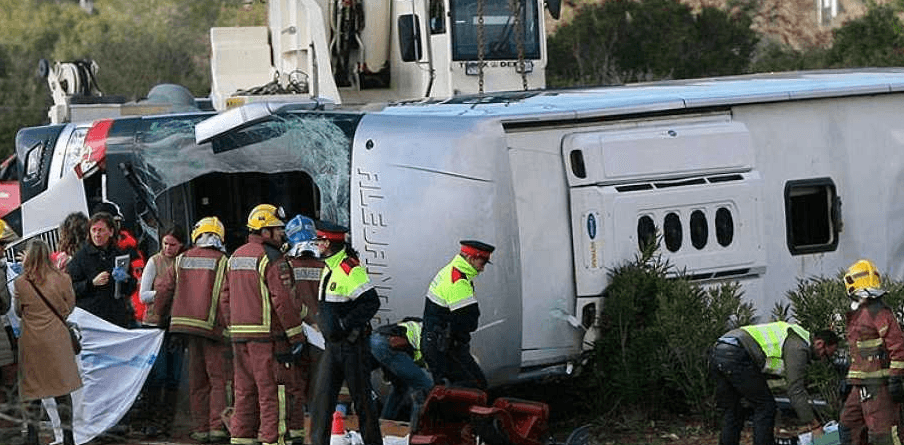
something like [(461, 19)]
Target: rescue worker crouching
[(397, 350), (297, 371), (451, 314), (871, 410), (742, 360), (347, 302), (263, 320), (190, 295)]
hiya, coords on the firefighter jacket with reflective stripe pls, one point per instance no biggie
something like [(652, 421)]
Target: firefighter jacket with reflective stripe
[(770, 337), (450, 304), (260, 303), (191, 293), (348, 300), (413, 333), (306, 271), (876, 344)]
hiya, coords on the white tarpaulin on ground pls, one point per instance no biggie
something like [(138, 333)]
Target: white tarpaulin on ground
[(114, 364)]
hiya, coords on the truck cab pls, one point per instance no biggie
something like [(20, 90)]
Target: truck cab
[(376, 51)]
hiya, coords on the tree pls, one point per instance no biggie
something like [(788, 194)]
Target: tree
[(622, 41), (876, 39)]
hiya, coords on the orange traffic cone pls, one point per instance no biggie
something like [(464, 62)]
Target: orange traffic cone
[(337, 434)]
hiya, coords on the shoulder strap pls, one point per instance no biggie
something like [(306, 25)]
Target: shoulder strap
[(52, 309)]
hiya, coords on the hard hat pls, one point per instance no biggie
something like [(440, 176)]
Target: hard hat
[(266, 215), (863, 277), (209, 224), (7, 234), (300, 229)]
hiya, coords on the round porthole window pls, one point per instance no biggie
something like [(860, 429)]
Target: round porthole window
[(646, 232), (672, 232), (724, 227), (699, 229)]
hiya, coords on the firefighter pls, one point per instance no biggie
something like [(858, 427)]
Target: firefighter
[(263, 320), (743, 359), (450, 316), (189, 294), (871, 411), (306, 269), (347, 302)]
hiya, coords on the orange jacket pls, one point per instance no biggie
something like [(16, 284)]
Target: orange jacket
[(260, 302), (191, 291)]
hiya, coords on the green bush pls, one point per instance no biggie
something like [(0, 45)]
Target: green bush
[(656, 329)]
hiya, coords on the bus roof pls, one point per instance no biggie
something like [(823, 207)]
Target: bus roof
[(653, 97)]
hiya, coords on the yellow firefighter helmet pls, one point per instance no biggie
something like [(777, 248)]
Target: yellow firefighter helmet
[(862, 276), (266, 215), (208, 224)]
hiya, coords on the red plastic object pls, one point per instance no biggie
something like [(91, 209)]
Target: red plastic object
[(511, 422), (445, 416)]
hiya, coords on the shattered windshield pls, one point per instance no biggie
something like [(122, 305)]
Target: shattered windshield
[(500, 38), (316, 143)]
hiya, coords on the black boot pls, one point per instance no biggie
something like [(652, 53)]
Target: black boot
[(31, 435), (68, 438)]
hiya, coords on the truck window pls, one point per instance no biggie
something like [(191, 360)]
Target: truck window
[(500, 39), (437, 17), (812, 215)]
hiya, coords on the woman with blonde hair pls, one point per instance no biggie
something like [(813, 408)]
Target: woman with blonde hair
[(47, 366)]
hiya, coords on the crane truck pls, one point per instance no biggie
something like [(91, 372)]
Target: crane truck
[(359, 52)]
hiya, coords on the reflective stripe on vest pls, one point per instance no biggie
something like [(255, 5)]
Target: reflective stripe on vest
[(413, 332), (771, 337), (190, 263), (343, 287), (260, 265), (453, 295)]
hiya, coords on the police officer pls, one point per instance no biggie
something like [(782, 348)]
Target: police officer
[(741, 361), (450, 316), (871, 411), (397, 349), (263, 319), (348, 300), (189, 293), (306, 269)]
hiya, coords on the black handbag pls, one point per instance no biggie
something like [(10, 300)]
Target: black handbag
[(74, 334)]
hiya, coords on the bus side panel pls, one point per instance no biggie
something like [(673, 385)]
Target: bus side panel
[(548, 286), (418, 186)]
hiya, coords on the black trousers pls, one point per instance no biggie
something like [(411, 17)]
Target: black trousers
[(738, 377), (349, 362), (451, 360)]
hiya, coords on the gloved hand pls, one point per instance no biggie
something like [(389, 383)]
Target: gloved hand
[(119, 274), (298, 350), (844, 388), (896, 388), (353, 335)]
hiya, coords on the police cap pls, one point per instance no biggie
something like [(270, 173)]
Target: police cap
[(476, 249), (330, 231)]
